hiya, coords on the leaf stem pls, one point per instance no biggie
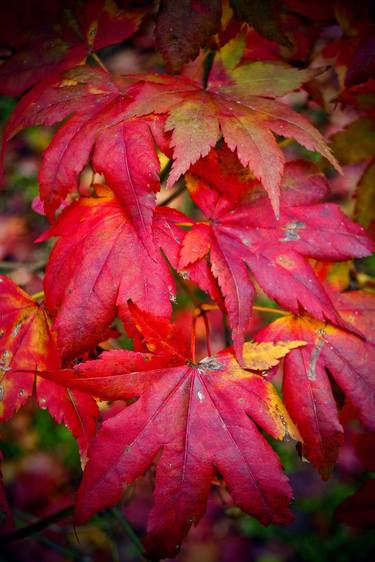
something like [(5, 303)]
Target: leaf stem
[(38, 295), (207, 65), (208, 336), (272, 310), (207, 307), (193, 338), (99, 62), (285, 142)]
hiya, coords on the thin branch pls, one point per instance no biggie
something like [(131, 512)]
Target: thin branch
[(173, 195), (37, 527), (207, 65), (99, 62), (285, 142), (165, 171), (128, 530), (10, 265)]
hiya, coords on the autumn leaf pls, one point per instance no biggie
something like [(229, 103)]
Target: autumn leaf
[(183, 27), (238, 104), (98, 264), (124, 150), (27, 346), (196, 418), (66, 41), (242, 236), (347, 357)]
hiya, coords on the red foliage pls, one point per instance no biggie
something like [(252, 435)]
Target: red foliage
[(257, 220)]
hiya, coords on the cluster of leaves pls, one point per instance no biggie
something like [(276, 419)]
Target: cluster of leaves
[(261, 223)]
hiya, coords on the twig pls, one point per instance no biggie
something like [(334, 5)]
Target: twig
[(207, 65), (99, 62), (10, 265), (37, 527), (173, 195), (128, 530)]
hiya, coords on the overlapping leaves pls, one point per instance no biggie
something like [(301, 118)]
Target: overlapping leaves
[(238, 103), (330, 351), (27, 346), (99, 263), (73, 31), (242, 236), (196, 419)]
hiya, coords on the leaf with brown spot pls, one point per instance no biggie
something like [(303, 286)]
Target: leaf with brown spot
[(347, 357), (243, 237)]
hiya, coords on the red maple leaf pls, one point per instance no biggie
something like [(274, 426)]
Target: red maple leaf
[(238, 103), (239, 237), (124, 152), (99, 263), (347, 357), (64, 40), (27, 346), (195, 418)]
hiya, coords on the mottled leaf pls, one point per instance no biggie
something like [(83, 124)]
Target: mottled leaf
[(183, 27), (27, 346), (348, 358), (242, 236), (242, 109)]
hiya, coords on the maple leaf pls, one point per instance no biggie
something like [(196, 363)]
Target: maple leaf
[(27, 346), (98, 264), (245, 235), (124, 150), (347, 357), (65, 41), (183, 27), (195, 418), (239, 104)]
